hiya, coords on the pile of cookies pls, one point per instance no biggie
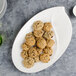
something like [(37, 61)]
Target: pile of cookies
[(38, 44)]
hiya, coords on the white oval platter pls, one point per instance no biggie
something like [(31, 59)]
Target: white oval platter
[(63, 32)]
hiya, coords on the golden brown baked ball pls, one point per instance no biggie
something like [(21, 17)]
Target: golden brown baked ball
[(28, 62), (32, 52), (48, 50), (50, 43), (38, 25), (28, 35), (45, 58), (30, 41), (41, 43), (47, 26), (48, 35), (25, 47), (24, 54)]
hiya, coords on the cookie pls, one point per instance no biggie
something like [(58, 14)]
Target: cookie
[(24, 54), (30, 41), (48, 35), (28, 62), (45, 58), (50, 43), (38, 25), (25, 47), (28, 35), (32, 52), (48, 50), (38, 33), (41, 43), (36, 59), (47, 26)]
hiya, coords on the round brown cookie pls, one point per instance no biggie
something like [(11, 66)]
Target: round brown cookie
[(50, 43), (28, 35), (30, 41), (41, 43), (48, 35), (45, 58), (25, 47), (24, 54), (38, 33), (47, 26), (36, 59), (48, 50), (38, 25), (39, 50), (28, 62), (32, 52)]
